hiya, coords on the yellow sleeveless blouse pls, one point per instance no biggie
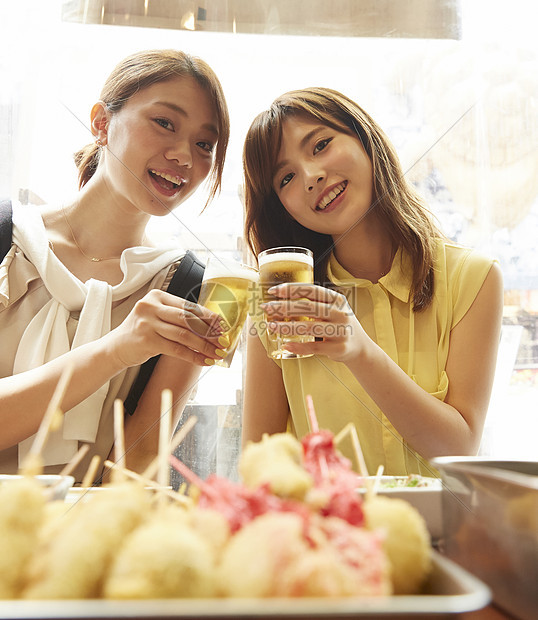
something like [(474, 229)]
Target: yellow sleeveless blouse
[(417, 342)]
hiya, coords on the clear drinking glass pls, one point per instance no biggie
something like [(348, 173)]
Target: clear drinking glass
[(227, 287), (279, 265)]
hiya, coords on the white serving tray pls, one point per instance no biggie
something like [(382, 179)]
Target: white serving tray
[(450, 590)]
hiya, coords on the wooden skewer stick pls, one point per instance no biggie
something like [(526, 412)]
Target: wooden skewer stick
[(165, 424), (349, 429), (152, 468), (33, 464), (373, 489), (178, 497), (69, 467), (163, 473), (314, 426), (89, 476), (119, 439), (358, 450)]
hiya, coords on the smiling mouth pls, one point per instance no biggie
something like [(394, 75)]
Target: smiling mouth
[(332, 195), (166, 181)]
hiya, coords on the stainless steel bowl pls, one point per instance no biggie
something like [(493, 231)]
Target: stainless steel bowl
[(490, 525)]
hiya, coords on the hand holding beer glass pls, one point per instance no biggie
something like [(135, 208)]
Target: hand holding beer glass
[(277, 266), (227, 287)]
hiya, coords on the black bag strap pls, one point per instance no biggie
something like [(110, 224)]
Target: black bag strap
[(6, 227), (187, 279), (185, 283)]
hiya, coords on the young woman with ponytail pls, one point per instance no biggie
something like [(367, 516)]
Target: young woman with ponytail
[(82, 286)]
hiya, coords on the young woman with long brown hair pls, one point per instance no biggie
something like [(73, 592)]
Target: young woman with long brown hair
[(406, 322)]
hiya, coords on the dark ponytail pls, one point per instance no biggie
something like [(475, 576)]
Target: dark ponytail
[(86, 161)]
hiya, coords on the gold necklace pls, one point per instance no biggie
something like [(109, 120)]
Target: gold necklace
[(93, 259)]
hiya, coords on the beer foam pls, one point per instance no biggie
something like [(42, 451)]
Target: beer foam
[(295, 257), (223, 268)]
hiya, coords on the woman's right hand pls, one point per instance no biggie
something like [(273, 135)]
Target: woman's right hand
[(158, 323), (161, 323), (339, 334)]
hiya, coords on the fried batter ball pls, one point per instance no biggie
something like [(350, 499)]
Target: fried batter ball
[(407, 541), (253, 561), (167, 557), (213, 527), (276, 460), (288, 556), (74, 563), (22, 506), (54, 519), (318, 572), (363, 550)]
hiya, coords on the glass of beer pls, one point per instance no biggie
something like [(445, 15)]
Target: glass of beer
[(279, 265), (227, 287)]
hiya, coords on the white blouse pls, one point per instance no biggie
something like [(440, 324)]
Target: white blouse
[(46, 311)]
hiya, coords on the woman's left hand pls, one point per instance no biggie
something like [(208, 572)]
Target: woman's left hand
[(339, 333)]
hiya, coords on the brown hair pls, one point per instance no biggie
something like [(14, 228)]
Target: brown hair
[(268, 224), (143, 69)]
